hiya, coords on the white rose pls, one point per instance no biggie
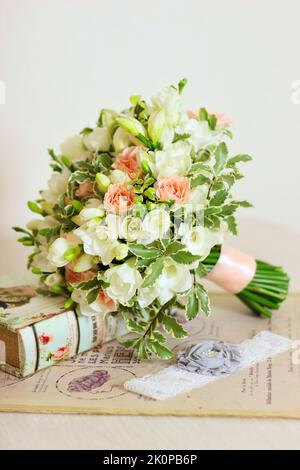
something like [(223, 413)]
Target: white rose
[(121, 140), (154, 226), (201, 135), (118, 176), (54, 279), (174, 161), (200, 240), (74, 149), (57, 251), (98, 139), (124, 281), (98, 240), (57, 185), (168, 100), (130, 228), (40, 261), (174, 279)]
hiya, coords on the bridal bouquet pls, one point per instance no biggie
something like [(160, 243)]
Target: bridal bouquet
[(135, 216)]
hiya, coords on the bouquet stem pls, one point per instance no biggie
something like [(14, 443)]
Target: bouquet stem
[(267, 289)]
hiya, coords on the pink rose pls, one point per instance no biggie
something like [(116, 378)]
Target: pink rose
[(106, 302), (127, 161), (72, 277), (85, 189), (119, 198), (45, 339), (173, 187), (222, 120), (60, 353)]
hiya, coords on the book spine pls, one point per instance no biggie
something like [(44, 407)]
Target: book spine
[(63, 336)]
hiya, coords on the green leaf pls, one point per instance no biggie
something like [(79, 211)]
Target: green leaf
[(185, 257), (79, 176), (203, 298), (142, 352), (173, 248), (153, 272), (34, 207), (192, 307), (134, 326), (246, 204), (172, 326), (86, 131), (161, 351), (212, 211), (178, 137), (229, 180), (212, 121), (159, 336), (141, 251), (221, 155), (229, 209), (203, 114), (92, 295), (130, 343), (198, 166), (87, 285), (198, 180), (202, 270), (181, 85), (237, 159), (232, 225), (218, 198)]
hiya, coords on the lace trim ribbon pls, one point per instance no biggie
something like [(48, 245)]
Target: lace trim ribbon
[(172, 380)]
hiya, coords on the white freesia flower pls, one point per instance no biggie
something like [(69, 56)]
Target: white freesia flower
[(124, 280), (40, 261), (98, 240), (174, 161), (95, 308), (54, 279), (200, 240), (93, 202), (84, 263), (57, 185), (166, 137), (74, 149), (168, 100), (46, 222), (98, 139), (154, 226), (147, 295), (88, 213), (156, 124), (130, 228), (57, 251)]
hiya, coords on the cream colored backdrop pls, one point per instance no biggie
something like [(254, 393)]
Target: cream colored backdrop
[(62, 60)]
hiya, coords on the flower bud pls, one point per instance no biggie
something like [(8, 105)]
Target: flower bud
[(131, 125), (118, 176), (53, 279), (107, 118), (156, 124), (121, 140), (103, 182), (121, 251)]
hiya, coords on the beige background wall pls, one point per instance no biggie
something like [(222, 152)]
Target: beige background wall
[(62, 60)]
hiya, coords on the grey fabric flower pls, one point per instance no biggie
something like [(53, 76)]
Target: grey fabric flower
[(210, 358)]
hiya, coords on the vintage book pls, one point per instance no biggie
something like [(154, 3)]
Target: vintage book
[(37, 332)]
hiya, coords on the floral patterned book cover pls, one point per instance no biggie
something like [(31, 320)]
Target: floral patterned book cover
[(37, 332)]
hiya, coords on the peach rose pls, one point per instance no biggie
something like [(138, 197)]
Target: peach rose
[(173, 187), (72, 277), (85, 189), (127, 161), (223, 121), (118, 198), (106, 302)]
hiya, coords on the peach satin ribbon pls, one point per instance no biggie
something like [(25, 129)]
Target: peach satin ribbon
[(233, 271)]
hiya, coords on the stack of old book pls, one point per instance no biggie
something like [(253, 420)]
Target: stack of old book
[(37, 332)]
